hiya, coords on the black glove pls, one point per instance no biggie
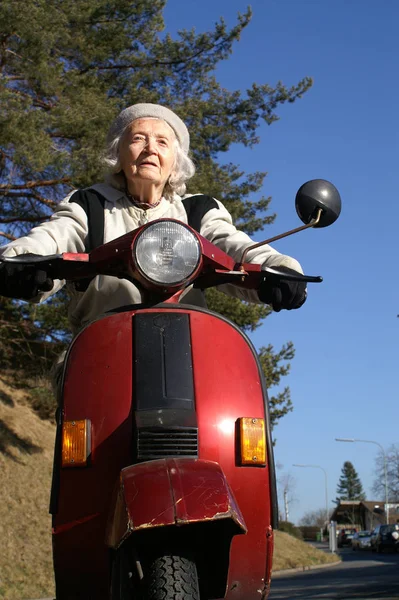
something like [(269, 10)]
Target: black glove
[(282, 293), (22, 281)]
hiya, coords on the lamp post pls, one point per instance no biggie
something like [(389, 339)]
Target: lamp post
[(326, 484), (385, 467)]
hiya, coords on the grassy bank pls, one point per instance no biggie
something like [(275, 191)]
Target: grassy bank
[(26, 454), (290, 553)]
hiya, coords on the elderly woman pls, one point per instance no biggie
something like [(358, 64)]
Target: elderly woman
[(148, 166)]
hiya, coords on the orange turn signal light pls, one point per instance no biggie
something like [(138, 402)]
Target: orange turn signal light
[(252, 441), (76, 443)]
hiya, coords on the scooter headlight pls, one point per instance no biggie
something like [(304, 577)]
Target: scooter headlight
[(167, 252)]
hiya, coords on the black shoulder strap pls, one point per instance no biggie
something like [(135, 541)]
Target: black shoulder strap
[(93, 203), (196, 207)]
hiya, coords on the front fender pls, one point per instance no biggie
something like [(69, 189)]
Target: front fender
[(171, 491)]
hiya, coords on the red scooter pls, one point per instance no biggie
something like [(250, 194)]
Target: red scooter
[(164, 483)]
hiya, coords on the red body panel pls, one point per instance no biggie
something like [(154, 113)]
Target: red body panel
[(227, 387), (98, 386), (187, 491)]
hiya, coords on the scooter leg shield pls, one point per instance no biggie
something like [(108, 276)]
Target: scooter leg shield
[(172, 491)]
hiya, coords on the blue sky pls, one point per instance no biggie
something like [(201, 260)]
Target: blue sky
[(344, 378)]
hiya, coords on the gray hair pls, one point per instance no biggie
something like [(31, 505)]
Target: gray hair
[(183, 167)]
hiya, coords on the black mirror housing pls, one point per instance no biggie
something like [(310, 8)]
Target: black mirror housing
[(316, 194)]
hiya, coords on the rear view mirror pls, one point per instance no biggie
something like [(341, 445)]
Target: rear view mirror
[(317, 203), (314, 195)]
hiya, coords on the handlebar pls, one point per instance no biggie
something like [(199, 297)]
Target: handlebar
[(77, 266)]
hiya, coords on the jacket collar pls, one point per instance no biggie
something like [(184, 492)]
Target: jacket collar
[(109, 192), (112, 194)]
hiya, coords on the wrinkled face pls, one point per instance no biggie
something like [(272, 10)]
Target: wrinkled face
[(147, 153)]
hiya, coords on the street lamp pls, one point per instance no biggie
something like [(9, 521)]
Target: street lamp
[(326, 485), (385, 467)]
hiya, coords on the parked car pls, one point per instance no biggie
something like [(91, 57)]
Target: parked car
[(382, 538), (345, 537), (361, 540)]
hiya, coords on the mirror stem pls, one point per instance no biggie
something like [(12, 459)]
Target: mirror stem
[(312, 223)]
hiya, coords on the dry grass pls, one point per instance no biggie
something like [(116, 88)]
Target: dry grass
[(289, 553), (26, 453)]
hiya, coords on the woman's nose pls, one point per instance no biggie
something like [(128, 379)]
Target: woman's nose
[(150, 145)]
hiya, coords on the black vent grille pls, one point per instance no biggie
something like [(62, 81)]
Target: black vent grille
[(164, 443)]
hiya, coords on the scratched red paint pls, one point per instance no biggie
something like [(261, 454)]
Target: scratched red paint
[(182, 491)]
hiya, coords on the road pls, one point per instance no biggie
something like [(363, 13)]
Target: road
[(361, 576)]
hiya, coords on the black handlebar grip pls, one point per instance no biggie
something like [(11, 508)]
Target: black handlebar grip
[(274, 272)]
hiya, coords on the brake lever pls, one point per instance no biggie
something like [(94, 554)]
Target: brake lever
[(29, 259), (57, 266), (49, 264), (270, 272)]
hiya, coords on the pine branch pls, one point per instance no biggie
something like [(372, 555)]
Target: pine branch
[(156, 62), (38, 197), (7, 50), (13, 78), (32, 184), (7, 325), (122, 67), (23, 219), (35, 101), (8, 236)]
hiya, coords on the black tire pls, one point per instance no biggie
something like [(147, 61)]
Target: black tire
[(379, 549), (171, 578)]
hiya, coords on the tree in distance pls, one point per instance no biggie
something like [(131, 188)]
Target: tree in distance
[(349, 485)]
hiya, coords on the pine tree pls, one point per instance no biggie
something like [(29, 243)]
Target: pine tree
[(349, 485), (67, 69)]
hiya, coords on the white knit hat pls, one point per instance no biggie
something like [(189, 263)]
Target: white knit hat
[(141, 111)]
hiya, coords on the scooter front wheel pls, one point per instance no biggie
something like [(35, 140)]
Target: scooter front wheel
[(171, 578)]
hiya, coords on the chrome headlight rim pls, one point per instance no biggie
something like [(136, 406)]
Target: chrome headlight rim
[(177, 284)]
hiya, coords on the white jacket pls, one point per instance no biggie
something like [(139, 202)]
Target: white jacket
[(67, 228)]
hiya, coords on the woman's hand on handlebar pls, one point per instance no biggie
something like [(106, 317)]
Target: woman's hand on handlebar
[(23, 281), (282, 293)]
